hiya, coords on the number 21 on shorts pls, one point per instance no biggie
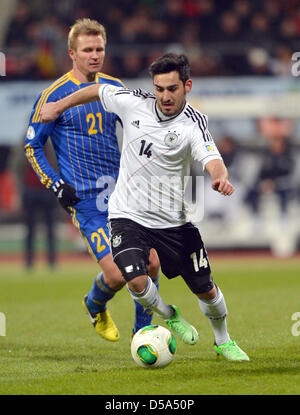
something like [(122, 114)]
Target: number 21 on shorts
[(203, 262), (98, 238)]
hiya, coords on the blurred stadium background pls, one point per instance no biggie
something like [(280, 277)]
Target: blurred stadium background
[(245, 78)]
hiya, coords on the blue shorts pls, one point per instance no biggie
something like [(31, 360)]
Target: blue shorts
[(92, 224)]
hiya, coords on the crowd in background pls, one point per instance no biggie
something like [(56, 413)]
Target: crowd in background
[(224, 37)]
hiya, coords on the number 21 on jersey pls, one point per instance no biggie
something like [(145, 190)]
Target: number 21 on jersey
[(92, 124)]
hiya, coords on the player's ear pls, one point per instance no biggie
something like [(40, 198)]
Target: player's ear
[(188, 85), (72, 54)]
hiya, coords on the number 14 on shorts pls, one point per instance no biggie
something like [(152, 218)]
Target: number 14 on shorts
[(203, 262)]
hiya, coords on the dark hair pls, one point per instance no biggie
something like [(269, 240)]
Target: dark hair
[(171, 62)]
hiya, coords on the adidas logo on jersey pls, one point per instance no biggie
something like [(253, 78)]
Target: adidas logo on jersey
[(136, 123)]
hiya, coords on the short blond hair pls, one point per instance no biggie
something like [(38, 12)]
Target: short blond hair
[(85, 27)]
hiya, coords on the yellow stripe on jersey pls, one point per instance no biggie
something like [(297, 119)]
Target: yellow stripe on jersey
[(89, 247), (74, 219), (99, 74), (71, 78), (61, 81), (45, 180), (103, 75), (43, 98), (77, 225)]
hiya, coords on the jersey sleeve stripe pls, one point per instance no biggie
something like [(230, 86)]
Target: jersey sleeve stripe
[(201, 120), (122, 92), (201, 117), (142, 94), (191, 114), (203, 129), (45, 180), (209, 135), (45, 96), (43, 99)]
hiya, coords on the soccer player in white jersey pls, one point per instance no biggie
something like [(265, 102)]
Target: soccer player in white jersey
[(162, 135)]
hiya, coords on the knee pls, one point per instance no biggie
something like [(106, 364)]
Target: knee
[(138, 284), (154, 264), (209, 295), (113, 278)]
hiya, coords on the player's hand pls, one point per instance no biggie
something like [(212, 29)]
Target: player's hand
[(223, 186), (49, 112), (65, 194)]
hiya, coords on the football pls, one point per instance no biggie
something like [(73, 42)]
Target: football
[(153, 347)]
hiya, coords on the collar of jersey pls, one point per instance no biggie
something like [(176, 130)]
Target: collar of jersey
[(164, 118), (71, 78)]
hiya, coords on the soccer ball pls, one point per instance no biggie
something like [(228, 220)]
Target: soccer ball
[(153, 346)]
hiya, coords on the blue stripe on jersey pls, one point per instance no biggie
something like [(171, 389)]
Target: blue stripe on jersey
[(84, 139)]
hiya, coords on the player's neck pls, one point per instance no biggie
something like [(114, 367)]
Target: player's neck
[(84, 78)]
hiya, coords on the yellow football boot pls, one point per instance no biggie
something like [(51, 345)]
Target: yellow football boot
[(103, 323)]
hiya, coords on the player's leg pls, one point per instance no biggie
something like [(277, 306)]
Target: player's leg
[(106, 284), (197, 275), (131, 256), (143, 316), (93, 229), (143, 290), (213, 306)]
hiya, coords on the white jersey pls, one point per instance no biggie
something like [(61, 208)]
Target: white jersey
[(155, 158)]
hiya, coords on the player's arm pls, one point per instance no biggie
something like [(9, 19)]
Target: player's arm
[(52, 110), (219, 177), (36, 138)]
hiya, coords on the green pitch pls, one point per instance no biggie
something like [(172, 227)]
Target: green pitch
[(51, 348)]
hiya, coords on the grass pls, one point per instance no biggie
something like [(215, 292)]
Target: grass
[(50, 347)]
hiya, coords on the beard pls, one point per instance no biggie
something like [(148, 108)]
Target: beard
[(172, 111)]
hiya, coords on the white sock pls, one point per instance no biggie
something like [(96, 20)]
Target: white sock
[(149, 298), (215, 310)]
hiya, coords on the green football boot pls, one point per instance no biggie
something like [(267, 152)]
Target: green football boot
[(179, 326), (231, 351)]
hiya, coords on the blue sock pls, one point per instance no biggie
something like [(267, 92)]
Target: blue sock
[(99, 295), (143, 316)]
